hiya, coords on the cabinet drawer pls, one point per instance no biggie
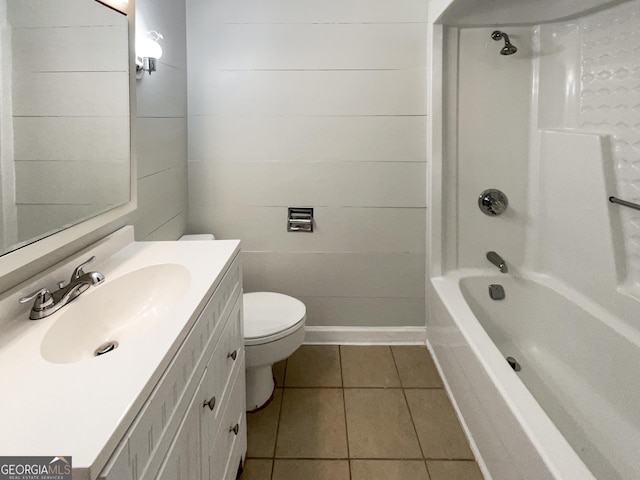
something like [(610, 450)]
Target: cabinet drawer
[(146, 443), (228, 353), (232, 433)]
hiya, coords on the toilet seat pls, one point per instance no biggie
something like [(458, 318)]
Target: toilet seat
[(270, 316)]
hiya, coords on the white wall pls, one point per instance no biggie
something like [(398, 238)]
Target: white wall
[(162, 126), (322, 104)]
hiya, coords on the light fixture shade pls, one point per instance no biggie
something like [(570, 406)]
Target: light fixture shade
[(149, 48)]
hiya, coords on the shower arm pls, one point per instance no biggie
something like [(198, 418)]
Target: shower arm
[(497, 35)]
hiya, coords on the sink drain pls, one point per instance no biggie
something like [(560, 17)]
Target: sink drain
[(514, 364), (105, 348)]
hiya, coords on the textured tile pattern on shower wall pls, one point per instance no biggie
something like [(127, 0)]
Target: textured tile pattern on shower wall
[(610, 102)]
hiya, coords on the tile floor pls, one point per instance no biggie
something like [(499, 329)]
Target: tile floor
[(358, 413)]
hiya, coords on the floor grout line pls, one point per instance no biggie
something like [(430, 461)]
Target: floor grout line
[(275, 444), (413, 423), (344, 404), (400, 459)]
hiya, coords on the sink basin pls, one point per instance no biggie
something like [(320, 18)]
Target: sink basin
[(111, 314)]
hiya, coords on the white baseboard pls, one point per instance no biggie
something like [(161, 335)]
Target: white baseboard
[(365, 335)]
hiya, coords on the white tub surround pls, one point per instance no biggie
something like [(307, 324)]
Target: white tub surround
[(555, 127), (85, 407)]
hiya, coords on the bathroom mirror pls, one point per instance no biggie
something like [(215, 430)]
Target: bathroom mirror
[(65, 149)]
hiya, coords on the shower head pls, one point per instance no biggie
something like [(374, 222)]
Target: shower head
[(508, 48)]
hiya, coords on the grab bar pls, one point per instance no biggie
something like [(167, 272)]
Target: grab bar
[(624, 203)]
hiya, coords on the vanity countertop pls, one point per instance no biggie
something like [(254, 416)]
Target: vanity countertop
[(83, 409)]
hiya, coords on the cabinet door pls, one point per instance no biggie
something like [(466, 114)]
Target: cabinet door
[(183, 461)]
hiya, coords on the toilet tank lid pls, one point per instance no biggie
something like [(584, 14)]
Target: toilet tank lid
[(201, 236), (268, 313)]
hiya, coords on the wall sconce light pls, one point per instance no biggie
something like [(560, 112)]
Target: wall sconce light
[(148, 50)]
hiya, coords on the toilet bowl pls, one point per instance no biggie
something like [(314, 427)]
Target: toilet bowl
[(273, 330)]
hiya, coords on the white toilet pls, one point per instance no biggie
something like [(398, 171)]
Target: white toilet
[(273, 330)]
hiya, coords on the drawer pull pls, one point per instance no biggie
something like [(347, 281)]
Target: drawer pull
[(211, 403), (233, 355), (235, 429)]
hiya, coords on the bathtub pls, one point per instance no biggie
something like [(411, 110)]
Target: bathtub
[(572, 411)]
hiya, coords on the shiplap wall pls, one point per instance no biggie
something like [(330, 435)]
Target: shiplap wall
[(322, 104), (162, 126), (71, 146)]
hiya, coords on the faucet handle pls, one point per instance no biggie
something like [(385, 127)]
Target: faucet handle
[(79, 271), (43, 299)]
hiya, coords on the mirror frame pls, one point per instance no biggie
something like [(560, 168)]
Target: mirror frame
[(43, 252)]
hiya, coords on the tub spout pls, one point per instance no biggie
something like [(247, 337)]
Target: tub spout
[(497, 260)]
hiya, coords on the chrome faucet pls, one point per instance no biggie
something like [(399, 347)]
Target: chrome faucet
[(46, 303), (497, 260)]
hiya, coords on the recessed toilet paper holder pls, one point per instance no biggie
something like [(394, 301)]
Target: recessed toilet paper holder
[(300, 219)]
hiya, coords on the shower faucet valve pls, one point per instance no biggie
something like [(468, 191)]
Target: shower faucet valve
[(493, 202)]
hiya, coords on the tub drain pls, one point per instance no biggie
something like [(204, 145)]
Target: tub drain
[(514, 364), (105, 348)]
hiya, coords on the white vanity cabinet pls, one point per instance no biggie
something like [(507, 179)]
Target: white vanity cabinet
[(193, 425)]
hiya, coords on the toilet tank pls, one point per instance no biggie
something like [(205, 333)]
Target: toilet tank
[(201, 236)]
